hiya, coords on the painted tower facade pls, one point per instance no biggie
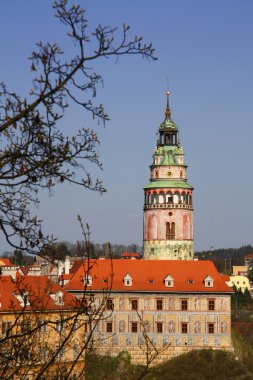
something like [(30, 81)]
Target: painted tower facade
[(168, 209)]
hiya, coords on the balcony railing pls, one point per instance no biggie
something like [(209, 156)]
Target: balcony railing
[(167, 205)]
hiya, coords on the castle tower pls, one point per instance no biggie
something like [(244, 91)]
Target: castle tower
[(168, 210)]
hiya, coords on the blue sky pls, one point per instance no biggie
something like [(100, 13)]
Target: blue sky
[(205, 50)]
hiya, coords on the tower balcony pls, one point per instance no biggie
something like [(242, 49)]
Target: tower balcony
[(167, 206)]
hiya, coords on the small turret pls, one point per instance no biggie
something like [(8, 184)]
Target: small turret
[(168, 131)]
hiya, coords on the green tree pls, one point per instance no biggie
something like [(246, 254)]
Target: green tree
[(56, 251), (18, 257)]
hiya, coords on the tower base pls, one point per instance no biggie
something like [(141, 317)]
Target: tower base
[(168, 250)]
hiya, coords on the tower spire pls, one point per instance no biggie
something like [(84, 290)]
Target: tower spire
[(168, 111)]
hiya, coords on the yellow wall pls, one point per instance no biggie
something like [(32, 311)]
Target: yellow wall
[(239, 268), (241, 282)]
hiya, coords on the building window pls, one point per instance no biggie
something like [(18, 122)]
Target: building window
[(134, 327), (25, 327), (75, 326), (109, 304), (109, 327), (60, 325), (134, 304), (210, 328), (211, 305), (159, 327), (184, 304), (43, 326), (75, 351), (184, 328), (6, 327), (87, 280), (159, 304)]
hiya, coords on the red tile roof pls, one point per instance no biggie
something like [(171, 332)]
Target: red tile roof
[(249, 256), (5, 262), (76, 265), (40, 290), (24, 270), (130, 254), (142, 270), (226, 277)]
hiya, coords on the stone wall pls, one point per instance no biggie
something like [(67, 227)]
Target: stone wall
[(168, 250)]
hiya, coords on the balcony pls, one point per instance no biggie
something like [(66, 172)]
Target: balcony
[(167, 206)]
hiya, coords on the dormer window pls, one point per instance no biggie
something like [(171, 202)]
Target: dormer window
[(208, 282), (190, 281), (128, 281), (169, 281), (87, 280), (59, 298), (23, 298)]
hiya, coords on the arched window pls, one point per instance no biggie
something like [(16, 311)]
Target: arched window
[(169, 197), (170, 231)]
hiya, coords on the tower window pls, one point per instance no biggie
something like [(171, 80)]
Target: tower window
[(167, 230), (170, 231)]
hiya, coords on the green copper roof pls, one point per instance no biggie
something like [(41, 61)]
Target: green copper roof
[(168, 183), (175, 149), (169, 159), (168, 124)]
